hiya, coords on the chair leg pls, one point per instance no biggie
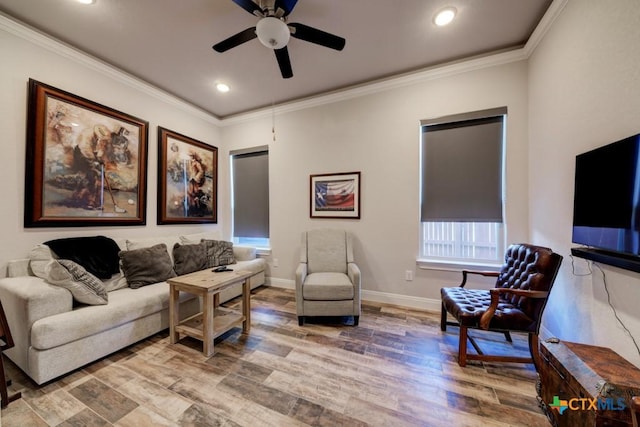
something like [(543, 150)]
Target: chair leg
[(507, 336), (443, 318), (462, 347), (300, 320), (4, 393), (356, 320)]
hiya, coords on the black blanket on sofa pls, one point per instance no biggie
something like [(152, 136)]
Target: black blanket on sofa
[(97, 254)]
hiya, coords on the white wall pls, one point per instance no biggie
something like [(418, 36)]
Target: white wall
[(378, 135), (584, 92), (25, 54)]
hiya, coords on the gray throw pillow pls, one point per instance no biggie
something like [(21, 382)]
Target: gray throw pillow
[(146, 266), (218, 252), (84, 286), (189, 258)]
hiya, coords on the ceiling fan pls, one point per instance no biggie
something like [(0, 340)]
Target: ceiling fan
[(273, 31)]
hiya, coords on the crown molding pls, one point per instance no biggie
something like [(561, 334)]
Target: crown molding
[(45, 41), (555, 9), (407, 79)]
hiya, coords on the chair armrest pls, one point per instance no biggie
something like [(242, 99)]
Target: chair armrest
[(481, 273), (485, 319), (353, 271), (301, 274)]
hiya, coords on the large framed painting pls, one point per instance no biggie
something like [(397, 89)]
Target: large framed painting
[(85, 162), (187, 179), (335, 195)]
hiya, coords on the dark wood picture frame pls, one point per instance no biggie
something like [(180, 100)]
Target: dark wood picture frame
[(187, 180), (86, 164), (335, 195)]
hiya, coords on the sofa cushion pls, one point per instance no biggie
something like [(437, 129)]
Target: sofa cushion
[(84, 286), (125, 306), (327, 286), (244, 253), (146, 266), (198, 237), (97, 254), (117, 281), (189, 258), (218, 253), (147, 242)]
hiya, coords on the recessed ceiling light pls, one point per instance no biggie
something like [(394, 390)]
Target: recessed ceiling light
[(445, 16), (86, 1), (222, 87)]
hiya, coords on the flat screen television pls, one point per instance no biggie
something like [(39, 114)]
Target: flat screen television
[(606, 208)]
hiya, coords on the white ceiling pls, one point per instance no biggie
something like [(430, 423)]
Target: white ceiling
[(168, 42)]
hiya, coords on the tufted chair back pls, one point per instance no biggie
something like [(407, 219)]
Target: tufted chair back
[(532, 268)]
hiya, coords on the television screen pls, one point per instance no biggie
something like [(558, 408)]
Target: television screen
[(606, 198)]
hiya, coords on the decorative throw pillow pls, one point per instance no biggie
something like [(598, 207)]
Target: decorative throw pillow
[(97, 254), (219, 252), (39, 257), (146, 266), (189, 258), (84, 286)]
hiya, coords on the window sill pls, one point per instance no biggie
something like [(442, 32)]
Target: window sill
[(430, 264)]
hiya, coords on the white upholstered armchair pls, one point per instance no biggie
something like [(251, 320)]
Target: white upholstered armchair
[(327, 278)]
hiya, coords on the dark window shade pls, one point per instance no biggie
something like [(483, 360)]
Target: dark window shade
[(462, 169), (251, 194)]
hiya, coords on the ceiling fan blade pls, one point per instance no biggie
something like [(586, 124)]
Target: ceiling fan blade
[(235, 40), (250, 7), (285, 5), (282, 55), (313, 35)]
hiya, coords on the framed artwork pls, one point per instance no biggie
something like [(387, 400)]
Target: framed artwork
[(335, 195), (85, 163), (187, 179)]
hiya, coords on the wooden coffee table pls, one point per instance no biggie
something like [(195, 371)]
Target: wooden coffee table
[(213, 321)]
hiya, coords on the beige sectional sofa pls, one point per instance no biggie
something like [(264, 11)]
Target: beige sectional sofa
[(54, 335)]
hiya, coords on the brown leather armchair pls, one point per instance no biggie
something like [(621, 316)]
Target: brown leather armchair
[(515, 304)]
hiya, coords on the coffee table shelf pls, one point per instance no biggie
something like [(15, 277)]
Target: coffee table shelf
[(224, 320)]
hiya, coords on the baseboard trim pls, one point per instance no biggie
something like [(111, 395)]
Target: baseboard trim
[(427, 304), (280, 283)]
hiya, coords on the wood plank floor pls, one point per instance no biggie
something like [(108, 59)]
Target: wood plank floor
[(395, 369)]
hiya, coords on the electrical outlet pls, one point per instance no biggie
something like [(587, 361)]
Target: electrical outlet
[(408, 275), (275, 262)]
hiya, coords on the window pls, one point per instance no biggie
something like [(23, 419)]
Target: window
[(250, 196), (462, 187)]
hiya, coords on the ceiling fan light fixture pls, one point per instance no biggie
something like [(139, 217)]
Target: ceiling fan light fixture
[(273, 32), (445, 16)]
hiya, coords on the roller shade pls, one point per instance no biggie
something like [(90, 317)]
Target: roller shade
[(250, 193), (462, 167)]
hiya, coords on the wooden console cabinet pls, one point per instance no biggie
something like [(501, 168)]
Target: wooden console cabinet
[(595, 383)]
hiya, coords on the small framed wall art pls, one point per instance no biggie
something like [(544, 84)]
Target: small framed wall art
[(335, 195), (86, 164), (187, 179)]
